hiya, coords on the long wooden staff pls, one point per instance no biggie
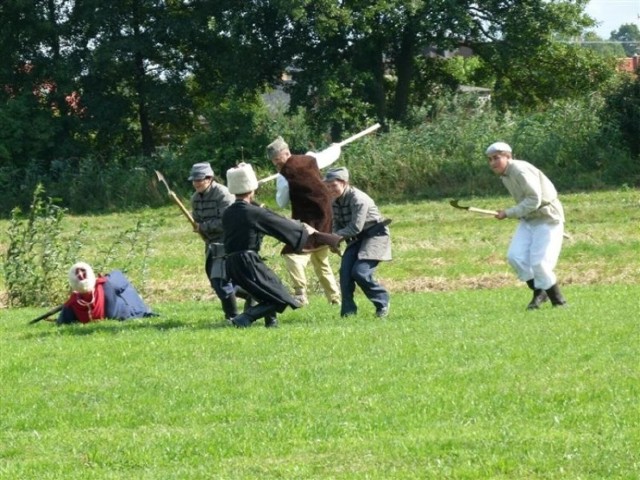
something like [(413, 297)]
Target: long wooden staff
[(341, 144), (177, 201)]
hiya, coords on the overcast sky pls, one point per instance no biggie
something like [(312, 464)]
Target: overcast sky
[(611, 14)]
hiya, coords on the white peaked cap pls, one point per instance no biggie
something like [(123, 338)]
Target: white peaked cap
[(498, 147)]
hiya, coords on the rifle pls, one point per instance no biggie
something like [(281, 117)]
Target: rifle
[(371, 231), (364, 132), (53, 311), (368, 232)]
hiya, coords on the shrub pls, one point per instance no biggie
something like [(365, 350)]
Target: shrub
[(37, 254)]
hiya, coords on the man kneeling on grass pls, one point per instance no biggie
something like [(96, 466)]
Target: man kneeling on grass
[(107, 296), (244, 225)]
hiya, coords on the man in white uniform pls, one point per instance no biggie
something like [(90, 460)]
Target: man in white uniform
[(537, 242)]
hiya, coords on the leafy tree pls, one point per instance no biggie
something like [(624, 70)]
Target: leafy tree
[(355, 60), (623, 109), (629, 35), (35, 82), (608, 49), (132, 72)]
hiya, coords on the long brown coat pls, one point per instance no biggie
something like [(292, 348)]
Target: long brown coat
[(309, 196)]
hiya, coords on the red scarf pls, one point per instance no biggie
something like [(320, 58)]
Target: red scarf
[(88, 307)]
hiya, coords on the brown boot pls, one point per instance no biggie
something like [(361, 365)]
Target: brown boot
[(557, 300), (539, 296)]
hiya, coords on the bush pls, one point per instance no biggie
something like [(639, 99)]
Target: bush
[(581, 144), (622, 109), (37, 254)]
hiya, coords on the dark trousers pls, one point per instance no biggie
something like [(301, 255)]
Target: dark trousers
[(359, 272), (224, 289)]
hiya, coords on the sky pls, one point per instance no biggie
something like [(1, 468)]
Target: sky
[(612, 14)]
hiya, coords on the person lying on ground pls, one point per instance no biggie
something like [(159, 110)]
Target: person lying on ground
[(98, 298)]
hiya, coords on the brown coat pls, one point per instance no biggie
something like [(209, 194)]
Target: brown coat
[(309, 196)]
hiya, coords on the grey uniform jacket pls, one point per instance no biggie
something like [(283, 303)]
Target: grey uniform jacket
[(355, 211), (207, 209), (536, 197)]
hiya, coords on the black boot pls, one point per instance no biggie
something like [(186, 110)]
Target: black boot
[(270, 321), (248, 300), (539, 296), (242, 321), (253, 313), (229, 307), (557, 300)]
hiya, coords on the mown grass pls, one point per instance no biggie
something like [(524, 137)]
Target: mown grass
[(459, 382)]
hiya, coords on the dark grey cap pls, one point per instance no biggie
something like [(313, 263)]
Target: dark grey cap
[(200, 171)]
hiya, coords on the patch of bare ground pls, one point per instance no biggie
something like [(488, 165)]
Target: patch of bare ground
[(629, 275), (442, 284)]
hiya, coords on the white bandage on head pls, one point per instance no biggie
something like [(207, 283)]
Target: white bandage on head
[(81, 278)]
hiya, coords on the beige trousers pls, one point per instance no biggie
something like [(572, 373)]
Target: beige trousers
[(296, 264)]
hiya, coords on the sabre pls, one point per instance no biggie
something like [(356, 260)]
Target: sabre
[(175, 198), (341, 144), (53, 311)]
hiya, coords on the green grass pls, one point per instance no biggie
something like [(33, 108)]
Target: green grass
[(460, 382)]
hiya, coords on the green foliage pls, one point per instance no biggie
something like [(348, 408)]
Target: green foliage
[(38, 253), (622, 113), (41, 249), (592, 41), (443, 155), (453, 385), (629, 36), (230, 132), (582, 143)]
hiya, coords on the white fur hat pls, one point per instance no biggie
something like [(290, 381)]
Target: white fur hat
[(241, 179), (81, 278), (498, 147)]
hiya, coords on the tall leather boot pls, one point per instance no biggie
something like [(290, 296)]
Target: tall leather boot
[(246, 318), (539, 296), (557, 300), (229, 307), (271, 321), (248, 299)]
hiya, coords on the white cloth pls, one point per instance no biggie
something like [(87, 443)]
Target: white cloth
[(534, 252), (326, 157)]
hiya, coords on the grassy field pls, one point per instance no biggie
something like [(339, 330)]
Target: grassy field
[(460, 382)]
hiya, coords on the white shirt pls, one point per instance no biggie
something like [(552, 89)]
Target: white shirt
[(324, 158)]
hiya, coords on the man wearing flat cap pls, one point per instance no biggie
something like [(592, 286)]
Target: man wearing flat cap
[(300, 183), (357, 219), (208, 203), (536, 244)]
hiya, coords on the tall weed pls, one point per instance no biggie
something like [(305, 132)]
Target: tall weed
[(37, 253), (40, 251)]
